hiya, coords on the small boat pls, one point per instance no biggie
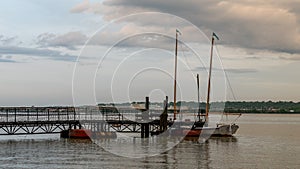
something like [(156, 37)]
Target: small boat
[(87, 134), (80, 133), (200, 126), (219, 130)]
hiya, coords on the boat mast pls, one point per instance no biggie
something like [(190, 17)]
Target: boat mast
[(209, 77), (175, 75), (198, 97)]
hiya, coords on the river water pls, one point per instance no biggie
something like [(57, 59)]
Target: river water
[(263, 141)]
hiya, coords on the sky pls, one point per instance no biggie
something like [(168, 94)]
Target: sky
[(63, 52)]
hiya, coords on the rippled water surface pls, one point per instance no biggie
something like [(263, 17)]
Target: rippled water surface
[(263, 141)]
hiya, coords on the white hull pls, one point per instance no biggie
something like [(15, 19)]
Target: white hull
[(220, 130)]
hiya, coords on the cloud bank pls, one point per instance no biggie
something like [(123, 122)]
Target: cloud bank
[(268, 25)]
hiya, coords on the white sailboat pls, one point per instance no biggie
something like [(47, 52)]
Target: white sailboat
[(200, 127), (222, 129)]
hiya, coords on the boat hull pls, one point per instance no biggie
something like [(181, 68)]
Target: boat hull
[(87, 134), (226, 130), (80, 133), (220, 130)]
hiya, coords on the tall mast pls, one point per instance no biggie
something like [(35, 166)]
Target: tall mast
[(209, 77), (198, 97), (175, 74)]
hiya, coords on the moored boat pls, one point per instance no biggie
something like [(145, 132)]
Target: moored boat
[(80, 133), (87, 134), (200, 126), (219, 130)]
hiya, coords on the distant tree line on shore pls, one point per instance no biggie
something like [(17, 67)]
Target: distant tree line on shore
[(263, 107), (250, 106), (237, 106)]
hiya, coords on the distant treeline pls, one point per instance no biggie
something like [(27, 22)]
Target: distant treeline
[(250, 107), (239, 106), (263, 107)]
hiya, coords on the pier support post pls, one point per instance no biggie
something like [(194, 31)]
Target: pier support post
[(142, 130), (147, 118), (163, 123), (145, 128)]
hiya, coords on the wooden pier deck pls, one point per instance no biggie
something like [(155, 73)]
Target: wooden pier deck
[(47, 120)]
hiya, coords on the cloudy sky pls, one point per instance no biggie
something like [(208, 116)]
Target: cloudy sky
[(59, 52)]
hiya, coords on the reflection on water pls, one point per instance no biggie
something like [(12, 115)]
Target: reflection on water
[(249, 149)]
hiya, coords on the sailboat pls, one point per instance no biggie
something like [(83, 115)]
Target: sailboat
[(200, 127)]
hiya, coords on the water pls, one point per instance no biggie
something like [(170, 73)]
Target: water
[(263, 141)]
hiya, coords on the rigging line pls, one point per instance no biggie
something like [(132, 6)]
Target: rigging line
[(232, 92), (230, 87), (227, 79)]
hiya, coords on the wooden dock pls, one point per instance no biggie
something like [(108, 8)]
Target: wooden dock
[(47, 120)]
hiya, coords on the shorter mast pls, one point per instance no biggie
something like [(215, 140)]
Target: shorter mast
[(198, 97), (209, 75), (175, 75)]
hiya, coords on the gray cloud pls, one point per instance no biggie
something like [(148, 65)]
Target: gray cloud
[(7, 40), (51, 54), (237, 71), (268, 25), (241, 71), (293, 58), (68, 40), (6, 59), (148, 40), (253, 57)]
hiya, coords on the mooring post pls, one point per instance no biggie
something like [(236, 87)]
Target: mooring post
[(147, 103), (147, 118), (147, 130), (142, 130), (164, 117)]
